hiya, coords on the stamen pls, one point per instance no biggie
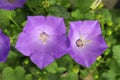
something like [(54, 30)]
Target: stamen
[(87, 41), (80, 42), (44, 37)]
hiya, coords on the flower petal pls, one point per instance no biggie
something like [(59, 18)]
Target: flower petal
[(26, 44), (4, 50), (37, 30), (87, 55), (92, 28), (34, 22), (4, 47), (57, 24), (83, 59), (41, 59), (90, 34), (61, 46), (94, 48), (5, 4)]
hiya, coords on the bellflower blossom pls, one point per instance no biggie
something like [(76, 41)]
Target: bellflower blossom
[(43, 39), (11, 4), (4, 46), (86, 42)]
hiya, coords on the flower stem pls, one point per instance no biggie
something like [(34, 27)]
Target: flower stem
[(15, 22)]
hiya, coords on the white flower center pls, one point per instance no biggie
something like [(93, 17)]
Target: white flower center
[(44, 37), (81, 43)]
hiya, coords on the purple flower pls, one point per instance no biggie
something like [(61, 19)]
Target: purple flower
[(4, 46), (43, 39), (11, 4), (86, 42)]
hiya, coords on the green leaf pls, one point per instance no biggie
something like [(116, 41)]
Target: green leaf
[(52, 68), (8, 14), (2, 66), (0, 76), (84, 73), (19, 73), (69, 76), (65, 61), (109, 75), (52, 77), (77, 14), (73, 76), (52, 2), (61, 69), (33, 3), (112, 72), (106, 15), (8, 74), (28, 77), (83, 5), (12, 57), (116, 53), (5, 17), (59, 11)]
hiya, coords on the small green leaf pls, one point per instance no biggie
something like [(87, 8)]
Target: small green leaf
[(109, 75), (83, 5), (5, 17), (28, 77), (52, 77), (73, 76), (2, 66), (7, 14), (8, 74), (61, 69), (116, 53), (69, 76), (52, 68), (84, 73), (77, 14), (107, 17), (59, 11), (19, 73), (12, 58)]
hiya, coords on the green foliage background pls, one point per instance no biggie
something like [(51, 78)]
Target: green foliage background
[(19, 67)]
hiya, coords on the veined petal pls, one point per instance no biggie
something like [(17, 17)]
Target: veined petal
[(92, 28), (42, 59), (43, 39), (34, 22), (86, 42), (57, 24)]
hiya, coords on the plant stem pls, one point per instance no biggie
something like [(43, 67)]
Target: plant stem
[(15, 23)]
